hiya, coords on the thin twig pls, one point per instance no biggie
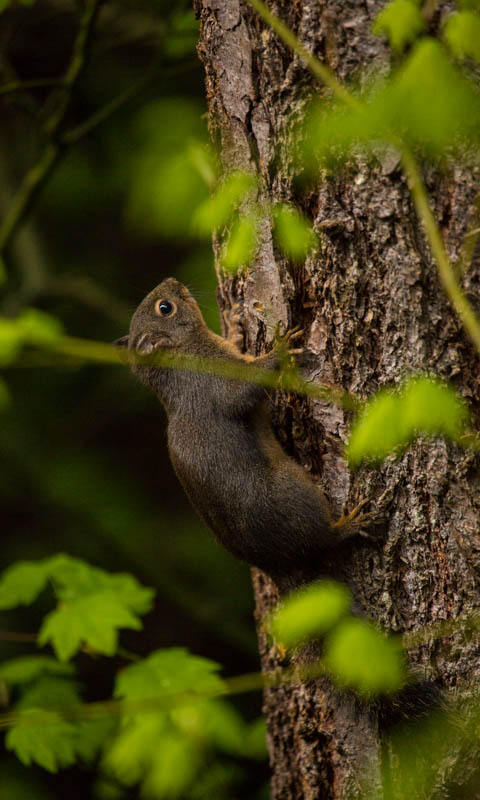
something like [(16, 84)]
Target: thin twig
[(74, 135), (23, 86), (38, 174)]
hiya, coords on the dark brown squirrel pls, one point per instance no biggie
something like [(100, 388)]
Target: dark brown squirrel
[(261, 505)]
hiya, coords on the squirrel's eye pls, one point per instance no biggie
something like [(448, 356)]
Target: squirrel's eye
[(164, 308)]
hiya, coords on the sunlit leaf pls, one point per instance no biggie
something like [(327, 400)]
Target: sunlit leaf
[(462, 34), (310, 612), (361, 658), (293, 232), (216, 211), (401, 21), (240, 246)]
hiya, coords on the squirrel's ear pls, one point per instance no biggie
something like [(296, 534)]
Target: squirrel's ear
[(122, 342)]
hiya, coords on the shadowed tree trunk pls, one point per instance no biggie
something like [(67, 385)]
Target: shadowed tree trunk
[(373, 311)]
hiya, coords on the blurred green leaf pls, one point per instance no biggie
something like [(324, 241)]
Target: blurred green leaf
[(401, 21), (183, 35), (378, 430), (434, 408), (168, 671), (462, 34), (216, 211), (43, 737), (293, 232), (240, 246), (37, 327), (166, 183), (428, 103), (10, 340), (21, 583), (310, 612), (361, 658), (26, 669), (391, 420)]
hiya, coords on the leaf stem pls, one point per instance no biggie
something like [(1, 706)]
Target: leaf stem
[(445, 269), (319, 70)]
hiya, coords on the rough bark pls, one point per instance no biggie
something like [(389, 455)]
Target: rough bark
[(373, 310)]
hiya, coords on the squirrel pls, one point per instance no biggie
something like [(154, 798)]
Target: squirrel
[(259, 502)]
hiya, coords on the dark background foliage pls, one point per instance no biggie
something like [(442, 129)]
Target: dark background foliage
[(84, 464)]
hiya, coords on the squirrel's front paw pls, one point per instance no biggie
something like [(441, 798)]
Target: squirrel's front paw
[(355, 521)]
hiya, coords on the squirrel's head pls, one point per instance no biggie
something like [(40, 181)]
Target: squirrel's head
[(168, 318)]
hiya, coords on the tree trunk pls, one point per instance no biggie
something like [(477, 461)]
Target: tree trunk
[(373, 311)]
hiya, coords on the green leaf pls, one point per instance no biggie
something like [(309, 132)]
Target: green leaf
[(361, 658), (217, 209), (92, 620), (175, 768), (166, 185), (428, 103), (41, 735), (378, 430), (92, 603), (21, 583), (170, 671), (401, 21), (462, 34), (241, 243), (293, 232), (25, 669), (433, 408), (310, 612), (392, 420), (44, 738)]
